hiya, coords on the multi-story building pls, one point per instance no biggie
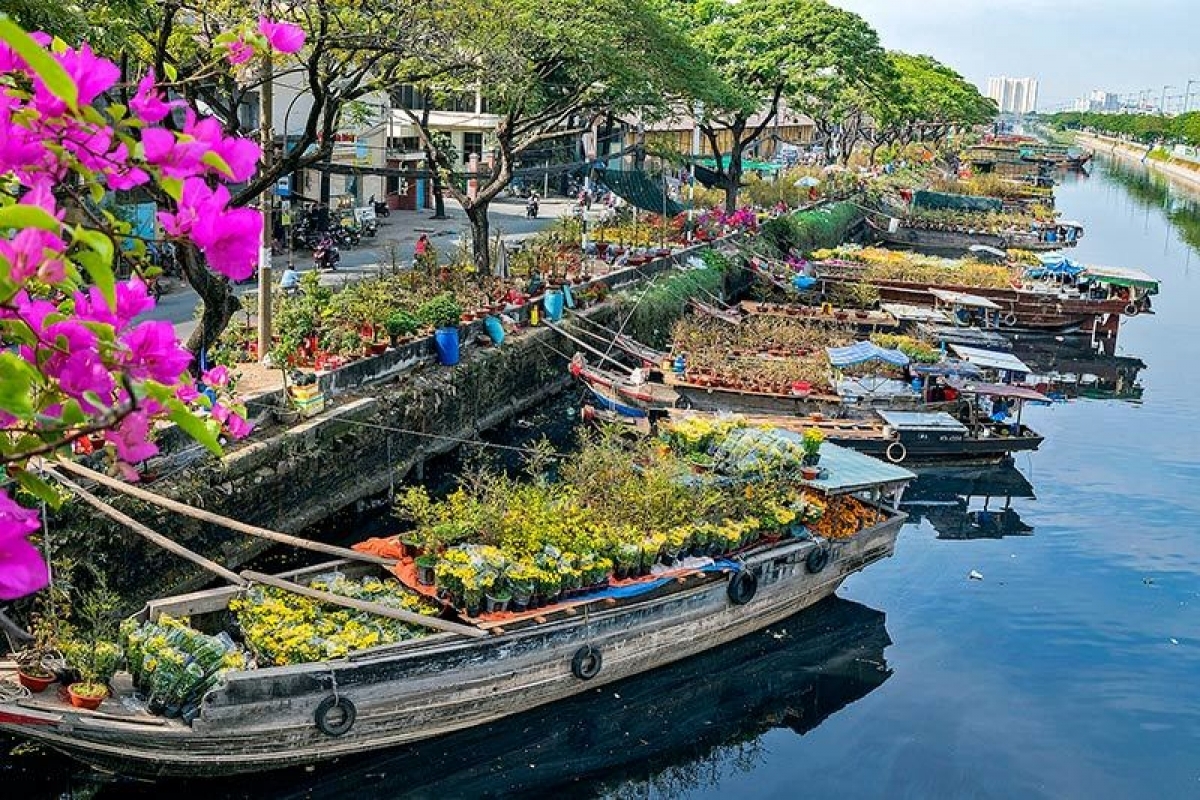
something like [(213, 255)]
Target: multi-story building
[(1014, 95)]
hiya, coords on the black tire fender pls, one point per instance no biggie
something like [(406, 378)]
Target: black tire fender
[(587, 662), (742, 587), (817, 559), (332, 705)]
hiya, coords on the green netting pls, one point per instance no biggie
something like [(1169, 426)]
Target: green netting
[(643, 191), (956, 202)]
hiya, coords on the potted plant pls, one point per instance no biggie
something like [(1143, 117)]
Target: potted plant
[(426, 563), (92, 653), (401, 324), (813, 437), (443, 313)]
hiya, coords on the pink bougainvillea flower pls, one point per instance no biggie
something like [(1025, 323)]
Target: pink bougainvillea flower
[(131, 438), (283, 36), (33, 253), (177, 157), (91, 74), (238, 51), (230, 241), (22, 570), (240, 154), (153, 351), (187, 393), (232, 422), (148, 104), (217, 376)]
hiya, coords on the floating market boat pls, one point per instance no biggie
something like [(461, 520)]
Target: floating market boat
[(473, 672), (959, 239), (1092, 304)]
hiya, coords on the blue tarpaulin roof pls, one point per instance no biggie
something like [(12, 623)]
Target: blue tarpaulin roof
[(1055, 265), (861, 352)]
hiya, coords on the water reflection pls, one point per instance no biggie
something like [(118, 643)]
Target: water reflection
[(678, 728), (1072, 369), (1151, 190), (969, 502)]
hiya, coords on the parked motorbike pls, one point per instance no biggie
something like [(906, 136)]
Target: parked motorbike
[(531, 208), (346, 237), (326, 255), (381, 209), (370, 227)]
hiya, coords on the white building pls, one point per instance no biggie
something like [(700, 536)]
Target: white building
[(1014, 95)]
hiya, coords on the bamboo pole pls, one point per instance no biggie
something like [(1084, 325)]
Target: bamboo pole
[(144, 531), (559, 330), (365, 605), (217, 519)]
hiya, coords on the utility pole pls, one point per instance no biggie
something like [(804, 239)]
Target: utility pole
[(1162, 103), (266, 99), (1187, 95)]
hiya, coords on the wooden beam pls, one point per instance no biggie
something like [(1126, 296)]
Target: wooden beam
[(144, 531), (365, 605), (217, 519)]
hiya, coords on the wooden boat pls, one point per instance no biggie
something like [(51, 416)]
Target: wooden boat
[(959, 240), (832, 655), (621, 394), (1027, 308), (268, 718)]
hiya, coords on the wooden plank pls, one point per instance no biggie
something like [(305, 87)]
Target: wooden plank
[(217, 519), (364, 605), (147, 533)]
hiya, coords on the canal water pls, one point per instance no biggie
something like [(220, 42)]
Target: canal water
[(1070, 669)]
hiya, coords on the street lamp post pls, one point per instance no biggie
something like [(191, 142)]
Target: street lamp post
[(1187, 95), (697, 112), (1162, 103)]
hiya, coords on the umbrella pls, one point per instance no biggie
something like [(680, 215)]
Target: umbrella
[(807, 181), (833, 168)]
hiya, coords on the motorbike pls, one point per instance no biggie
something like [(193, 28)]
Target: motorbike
[(346, 237), (326, 255), (370, 227), (381, 209), (531, 208)]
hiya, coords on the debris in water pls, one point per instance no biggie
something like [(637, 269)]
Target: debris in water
[(975, 575), (1174, 640)]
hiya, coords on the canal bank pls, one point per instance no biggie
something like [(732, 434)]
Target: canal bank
[(1119, 148)]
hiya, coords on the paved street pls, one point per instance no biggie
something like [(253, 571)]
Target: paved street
[(397, 238)]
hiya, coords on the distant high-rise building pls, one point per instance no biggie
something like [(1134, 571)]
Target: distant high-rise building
[(1104, 102), (1014, 95)]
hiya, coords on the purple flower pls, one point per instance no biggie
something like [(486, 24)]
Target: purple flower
[(283, 36), (176, 157), (153, 352), (22, 570), (217, 376), (131, 438), (148, 104), (238, 52), (240, 154)]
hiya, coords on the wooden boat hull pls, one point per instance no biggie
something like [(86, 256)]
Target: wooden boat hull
[(944, 447), (1028, 311), (959, 242), (264, 719)]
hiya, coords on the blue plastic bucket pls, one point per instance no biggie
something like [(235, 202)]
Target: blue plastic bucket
[(553, 302), (446, 342), (494, 329)]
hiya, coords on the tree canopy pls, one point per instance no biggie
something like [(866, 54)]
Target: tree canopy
[(1184, 128)]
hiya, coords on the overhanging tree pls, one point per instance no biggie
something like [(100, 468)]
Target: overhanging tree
[(547, 70)]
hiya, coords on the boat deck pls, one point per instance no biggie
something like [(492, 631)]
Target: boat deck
[(120, 707)]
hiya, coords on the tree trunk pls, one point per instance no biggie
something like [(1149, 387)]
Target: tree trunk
[(216, 295), (733, 180), (439, 202), (477, 215)]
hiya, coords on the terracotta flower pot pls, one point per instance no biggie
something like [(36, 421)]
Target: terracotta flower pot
[(83, 700), (34, 683)]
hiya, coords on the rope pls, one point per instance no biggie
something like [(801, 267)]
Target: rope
[(408, 432), (11, 692)]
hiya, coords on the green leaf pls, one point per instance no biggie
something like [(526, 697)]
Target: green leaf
[(39, 488), (19, 216), (100, 269), (50, 71), (17, 379), (170, 72), (213, 160), (193, 426), (173, 187)]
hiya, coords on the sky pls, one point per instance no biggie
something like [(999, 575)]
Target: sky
[(1070, 46)]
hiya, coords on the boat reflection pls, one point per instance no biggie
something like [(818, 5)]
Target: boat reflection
[(969, 502), (1071, 369)]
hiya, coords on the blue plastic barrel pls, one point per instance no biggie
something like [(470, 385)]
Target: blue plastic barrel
[(494, 329), (446, 342), (553, 301)]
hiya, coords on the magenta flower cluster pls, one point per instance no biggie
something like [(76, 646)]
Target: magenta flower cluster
[(75, 358)]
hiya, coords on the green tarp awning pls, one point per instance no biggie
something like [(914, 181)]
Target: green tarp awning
[(642, 190)]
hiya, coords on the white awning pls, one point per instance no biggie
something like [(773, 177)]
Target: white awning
[(963, 299), (990, 359)]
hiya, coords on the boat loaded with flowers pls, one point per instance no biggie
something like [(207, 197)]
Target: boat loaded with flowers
[(510, 593)]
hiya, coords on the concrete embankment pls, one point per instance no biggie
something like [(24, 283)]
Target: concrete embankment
[(1118, 148)]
